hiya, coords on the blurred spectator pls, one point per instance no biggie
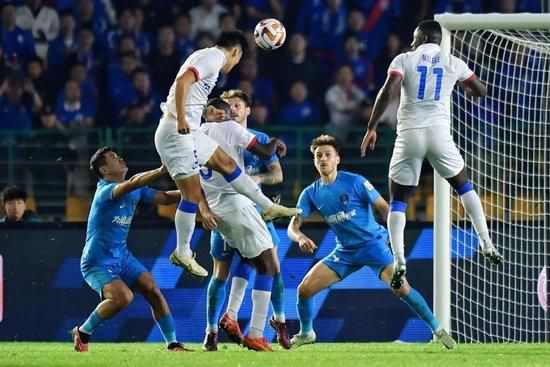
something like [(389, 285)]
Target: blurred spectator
[(184, 43), (263, 88), (298, 110), (366, 110), (205, 17), (164, 61), (84, 51), (42, 21), (64, 44), (88, 88), (146, 97), (257, 10), (128, 26), (324, 23), (343, 100), (362, 67), (49, 121), (259, 114), (4, 69), (71, 109), (356, 24), (136, 115), (228, 21), (40, 80), (393, 48), (18, 45), (17, 102), (120, 86), (14, 201), (247, 87), (90, 17), (204, 40), (457, 6)]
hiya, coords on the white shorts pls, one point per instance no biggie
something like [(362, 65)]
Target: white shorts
[(182, 154), (413, 145), (245, 230)]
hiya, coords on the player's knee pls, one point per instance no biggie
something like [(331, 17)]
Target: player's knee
[(304, 291), (403, 291), (123, 299)]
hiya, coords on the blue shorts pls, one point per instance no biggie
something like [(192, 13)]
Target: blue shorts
[(221, 251), (129, 269), (375, 254)]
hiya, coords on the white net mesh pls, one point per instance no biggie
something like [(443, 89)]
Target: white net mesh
[(505, 142)]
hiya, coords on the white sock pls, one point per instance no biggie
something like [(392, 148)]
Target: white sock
[(211, 329), (185, 224), (396, 228), (472, 205), (280, 318), (260, 305), (236, 296), (244, 185)]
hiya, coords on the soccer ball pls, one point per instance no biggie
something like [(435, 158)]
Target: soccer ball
[(269, 34)]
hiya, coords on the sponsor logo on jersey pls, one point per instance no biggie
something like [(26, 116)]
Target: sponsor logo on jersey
[(368, 185), (340, 217), (344, 199), (122, 220)]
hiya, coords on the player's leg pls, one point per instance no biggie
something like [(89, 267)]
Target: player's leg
[(447, 161), (418, 304), (404, 174), (278, 291), (243, 184)]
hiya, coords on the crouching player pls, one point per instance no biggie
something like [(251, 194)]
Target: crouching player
[(106, 264), (348, 203)]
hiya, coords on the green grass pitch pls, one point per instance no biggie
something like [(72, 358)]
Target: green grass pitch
[(322, 354)]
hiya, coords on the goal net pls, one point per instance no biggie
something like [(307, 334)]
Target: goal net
[(505, 141)]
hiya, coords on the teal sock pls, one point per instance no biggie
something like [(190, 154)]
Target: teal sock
[(93, 323), (278, 298), (418, 304), (215, 296), (167, 328), (305, 313)]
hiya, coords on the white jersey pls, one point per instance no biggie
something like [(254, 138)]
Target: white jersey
[(429, 76), (206, 65), (233, 139)]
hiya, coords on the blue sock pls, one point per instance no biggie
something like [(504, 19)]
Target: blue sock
[(93, 323), (215, 296), (418, 304), (167, 328), (278, 298), (305, 313), (243, 270), (233, 175)]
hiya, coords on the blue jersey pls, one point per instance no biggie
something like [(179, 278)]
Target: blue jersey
[(346, 207), (253, 165), (109, 222)]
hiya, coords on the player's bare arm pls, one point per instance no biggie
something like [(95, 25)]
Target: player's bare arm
[(265, 151), (474, 87), (381, 209), (138, 180), (183, 82), (272, 176), (385, 95), (167, 197), (294, 233)]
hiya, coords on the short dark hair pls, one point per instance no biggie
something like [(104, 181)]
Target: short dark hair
[(237, 93), (324, 140), (219, 103), (431, 29), (13, 193), (232, 38), (98, 160)]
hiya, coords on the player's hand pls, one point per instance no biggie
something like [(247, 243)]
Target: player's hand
[(306, 244), (209, 220), (369, 141), (212, 113), (183, 126), (281, 148)]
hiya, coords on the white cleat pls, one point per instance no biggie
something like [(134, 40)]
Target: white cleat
[(444, 338), (302, 339), (490, 252), (189, 264), (277, 211)]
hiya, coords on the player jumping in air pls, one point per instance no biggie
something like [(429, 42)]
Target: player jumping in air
[(263, 171), (182, 147), (240, 224), (106, 264), (427, 77), (348, 203)]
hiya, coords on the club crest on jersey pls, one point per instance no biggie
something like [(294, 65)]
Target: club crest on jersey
[(344, 199)]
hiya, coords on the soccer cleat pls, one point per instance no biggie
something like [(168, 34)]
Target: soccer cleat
[(302, 339), (178, 347), (491, 253), (277, 211), (189, 264), (444, 338), (398, 274), (210, 343), (282, 332), (259, 345), (79, 346), (231, 328)]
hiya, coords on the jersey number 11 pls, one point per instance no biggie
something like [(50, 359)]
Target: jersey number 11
[(423, 70)]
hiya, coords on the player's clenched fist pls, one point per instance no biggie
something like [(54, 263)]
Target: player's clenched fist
[(183, 126)]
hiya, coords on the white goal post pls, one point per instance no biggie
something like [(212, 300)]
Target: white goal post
[(505, 140)]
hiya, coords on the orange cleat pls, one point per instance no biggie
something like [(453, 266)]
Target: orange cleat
[(79, 346), (231, 328), (259, 345)]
